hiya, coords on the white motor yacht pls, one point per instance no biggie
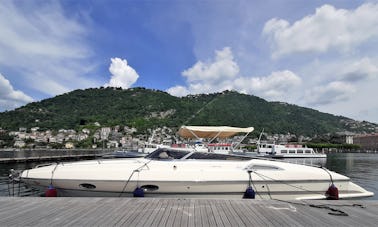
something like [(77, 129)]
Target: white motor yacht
[(183, 173), (287, 151)]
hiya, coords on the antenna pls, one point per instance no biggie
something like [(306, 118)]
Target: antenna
[(258, 141), (202, 108)]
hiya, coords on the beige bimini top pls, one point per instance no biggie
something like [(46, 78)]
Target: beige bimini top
[(211, 131)]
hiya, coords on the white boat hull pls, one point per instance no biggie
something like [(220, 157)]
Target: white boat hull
[(236, 191), (190, 179)]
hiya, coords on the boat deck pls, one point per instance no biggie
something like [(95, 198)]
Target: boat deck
[(37, 211)]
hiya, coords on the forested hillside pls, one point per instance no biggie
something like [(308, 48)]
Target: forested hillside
[(144, 108)]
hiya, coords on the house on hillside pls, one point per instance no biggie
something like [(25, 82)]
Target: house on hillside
[(367, 141), (19, 144), (343, 137), (69, 145)]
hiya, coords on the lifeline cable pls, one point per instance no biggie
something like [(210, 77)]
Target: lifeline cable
[(52, 173), (330, 176), (131, 175), (280, 181), (9, 193)]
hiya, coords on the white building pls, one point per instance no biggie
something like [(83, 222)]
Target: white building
[(19, 143)]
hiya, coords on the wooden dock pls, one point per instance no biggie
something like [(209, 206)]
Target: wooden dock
[(34, 211)]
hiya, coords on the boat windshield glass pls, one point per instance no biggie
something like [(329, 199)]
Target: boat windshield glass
[(203, 155), (167, 154), (172, 154)]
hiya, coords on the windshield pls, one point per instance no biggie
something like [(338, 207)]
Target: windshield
[(171, 154), (204, 155), (167, 154)]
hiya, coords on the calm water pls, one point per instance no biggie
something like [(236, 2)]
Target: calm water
[(361, 168)]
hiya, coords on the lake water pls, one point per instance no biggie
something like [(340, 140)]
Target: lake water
[(362, 168)]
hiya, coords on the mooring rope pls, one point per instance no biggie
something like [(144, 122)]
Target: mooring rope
[(137, 170), (52, 173), (334, 211)]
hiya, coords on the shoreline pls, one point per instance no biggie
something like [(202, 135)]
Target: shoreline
[(31, 155)]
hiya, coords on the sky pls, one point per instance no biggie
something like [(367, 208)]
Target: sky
[(317, 54)]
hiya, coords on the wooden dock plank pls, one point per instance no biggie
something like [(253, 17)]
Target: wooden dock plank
[(140, 209), (204, 214), (288, 213), (197, 214), (66, 209), (182, 212), (233, 217), (104, 216), (116, 213), (191, 211), (158, 213), (245, 218), (127, 212), (155, 206), (216, 213), (178, 218), (172, 213), (185, 212), (316, 212), (165, 213)]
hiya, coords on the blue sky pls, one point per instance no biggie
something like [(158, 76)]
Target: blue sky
[(317, 54)]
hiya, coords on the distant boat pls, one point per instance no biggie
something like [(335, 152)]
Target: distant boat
[(286, 151)]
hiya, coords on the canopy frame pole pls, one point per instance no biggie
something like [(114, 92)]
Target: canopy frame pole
[(206, 143), (194, 147), (216, 136), (194, 134), (234, 147)]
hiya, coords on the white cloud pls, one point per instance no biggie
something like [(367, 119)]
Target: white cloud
[(10, 98), (44, 47), (178, 91), (275, 86), (123, 75), (213, 76), (333, 92), (223, 67), (359, 70), (327, 28), (223, 74)]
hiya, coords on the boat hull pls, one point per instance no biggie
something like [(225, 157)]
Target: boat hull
[(190, 179), (234, 191)]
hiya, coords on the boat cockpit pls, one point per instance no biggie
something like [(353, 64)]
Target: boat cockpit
[(173, 154)]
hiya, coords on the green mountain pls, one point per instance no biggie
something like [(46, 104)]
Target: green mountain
[(144, 108)]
